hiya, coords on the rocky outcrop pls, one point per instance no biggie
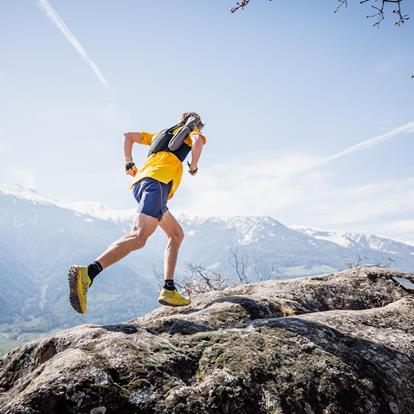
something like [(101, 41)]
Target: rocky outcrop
[(340, 343)]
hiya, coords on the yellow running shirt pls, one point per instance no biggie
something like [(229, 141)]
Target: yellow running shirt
[(163, 166)]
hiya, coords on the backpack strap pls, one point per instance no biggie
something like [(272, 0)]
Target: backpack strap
[(178, 139), (161, 140)]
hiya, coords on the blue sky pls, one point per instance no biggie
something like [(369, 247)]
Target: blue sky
[(281, 85)]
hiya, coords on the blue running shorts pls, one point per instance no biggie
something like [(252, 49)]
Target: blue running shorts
[(151, 196)]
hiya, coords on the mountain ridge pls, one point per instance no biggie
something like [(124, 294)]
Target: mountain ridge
[(40, 240), (98, 210)]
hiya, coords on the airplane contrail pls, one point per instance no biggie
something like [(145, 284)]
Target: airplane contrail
[(405, 128), (57, 20), (409, 127)]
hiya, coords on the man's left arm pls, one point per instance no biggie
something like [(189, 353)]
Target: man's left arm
[(197, 143)]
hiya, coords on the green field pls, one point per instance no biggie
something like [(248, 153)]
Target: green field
[(7, 344)]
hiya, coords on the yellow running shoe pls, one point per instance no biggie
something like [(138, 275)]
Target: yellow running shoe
[(172, 298), (79, 283)]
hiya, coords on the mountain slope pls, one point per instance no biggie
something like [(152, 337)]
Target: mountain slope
[(40, 238), (288, 252)]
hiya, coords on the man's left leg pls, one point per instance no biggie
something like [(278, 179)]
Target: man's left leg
[(175, 236), (169, 294)]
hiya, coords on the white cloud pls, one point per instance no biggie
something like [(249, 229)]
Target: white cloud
[(266, 185), (258, 185), (57, 20), (360, 204), (2, 76), (22, 176), (401, 229), (294, 185)]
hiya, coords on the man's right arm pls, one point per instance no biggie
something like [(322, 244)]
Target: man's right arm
[(129, 139)]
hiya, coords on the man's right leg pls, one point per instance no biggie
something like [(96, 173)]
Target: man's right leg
[(81, 277), (143, 227)]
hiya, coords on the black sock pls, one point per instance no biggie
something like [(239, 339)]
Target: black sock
[(94, 269), (169, 284)]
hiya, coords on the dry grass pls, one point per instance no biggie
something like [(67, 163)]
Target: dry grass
[(287, 310)]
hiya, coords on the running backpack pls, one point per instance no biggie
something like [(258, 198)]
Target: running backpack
[(167, 141)]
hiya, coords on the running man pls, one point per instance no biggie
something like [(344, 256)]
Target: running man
[(154, 183)]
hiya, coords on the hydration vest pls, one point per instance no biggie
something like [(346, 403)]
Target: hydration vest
[(161, 141), (167, 141)]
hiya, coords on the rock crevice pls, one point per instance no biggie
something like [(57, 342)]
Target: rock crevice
[(339, 343)]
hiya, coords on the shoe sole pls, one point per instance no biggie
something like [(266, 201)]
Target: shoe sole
[(73, 291), (165, 303)]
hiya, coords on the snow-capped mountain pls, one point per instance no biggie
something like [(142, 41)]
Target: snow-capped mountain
[(359, 241), (88, 208), (40, 238), (294, 251)]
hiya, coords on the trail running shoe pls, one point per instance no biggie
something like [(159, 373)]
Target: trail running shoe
[(79, 283), (172, 298)]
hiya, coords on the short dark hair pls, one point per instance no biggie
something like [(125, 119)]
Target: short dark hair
[(185, 115)]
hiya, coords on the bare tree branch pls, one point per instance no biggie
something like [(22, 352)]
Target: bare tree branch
[(379, 14), (382, 262), (357, 263), (342, 3), (385, 262), (377, 5), (240, 264), (201, 280), (239, 5), (264, 271)]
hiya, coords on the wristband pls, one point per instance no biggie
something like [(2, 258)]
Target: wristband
[(129, 166), (192, 172)]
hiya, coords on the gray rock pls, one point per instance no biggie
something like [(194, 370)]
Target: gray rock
[(333, 344)]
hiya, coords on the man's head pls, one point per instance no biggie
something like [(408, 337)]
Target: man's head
[(183, 118)]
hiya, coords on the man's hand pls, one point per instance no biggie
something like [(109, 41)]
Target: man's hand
[(130, 169), (192, 169)]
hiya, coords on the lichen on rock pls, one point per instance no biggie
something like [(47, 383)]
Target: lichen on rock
[(332, 344)]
